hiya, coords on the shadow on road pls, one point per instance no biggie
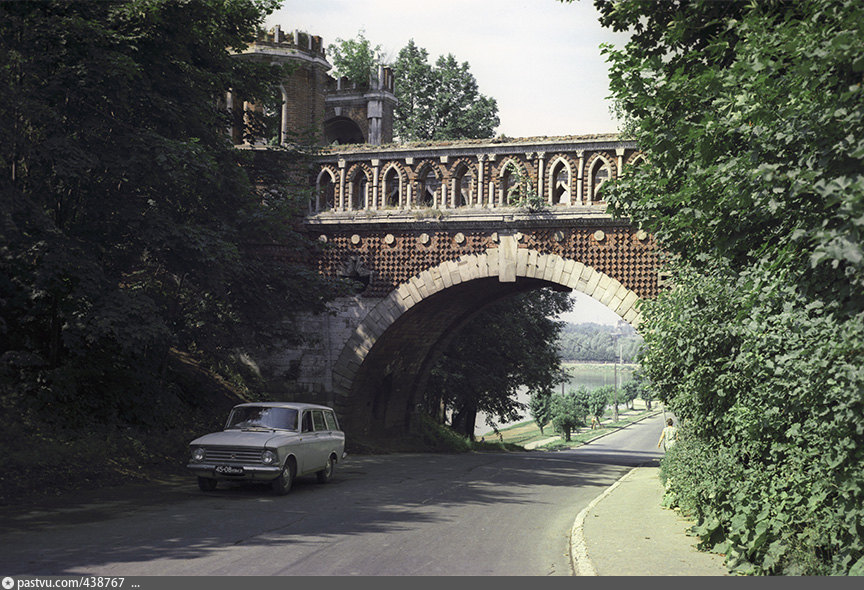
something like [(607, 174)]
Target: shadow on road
[(370, 494)]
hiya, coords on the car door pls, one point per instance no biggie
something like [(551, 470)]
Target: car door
[(335, 437), (308, 450), (322, 438)]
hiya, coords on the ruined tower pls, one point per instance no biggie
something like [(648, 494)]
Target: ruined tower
[(313, 102)]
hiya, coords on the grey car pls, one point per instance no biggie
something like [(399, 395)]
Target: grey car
[(269, 442)]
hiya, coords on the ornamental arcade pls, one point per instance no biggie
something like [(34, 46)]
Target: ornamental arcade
[(537, 173)]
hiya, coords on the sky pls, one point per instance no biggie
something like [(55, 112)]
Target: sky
[(539, 59)]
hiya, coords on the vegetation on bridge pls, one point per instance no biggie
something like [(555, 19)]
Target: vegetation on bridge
[(750, 114)]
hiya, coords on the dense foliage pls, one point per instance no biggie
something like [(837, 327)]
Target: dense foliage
[(752, 119), (355, 59), (440, 101), (598, 401), (569, 410), (508, 346), (128, 219), (599, 343)]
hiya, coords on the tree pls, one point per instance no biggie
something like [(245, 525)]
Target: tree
[(440, 102), (128, 218), (598, 400), (750, 116), (629, 392), (508, 346), (569, 411), (355, 59), (540, 408), (414, 86)]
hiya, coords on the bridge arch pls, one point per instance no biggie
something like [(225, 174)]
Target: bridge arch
[(384, 365)]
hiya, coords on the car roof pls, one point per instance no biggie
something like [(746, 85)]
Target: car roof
[(293, 405)]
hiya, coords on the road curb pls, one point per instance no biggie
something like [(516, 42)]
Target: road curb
[(579, 559)]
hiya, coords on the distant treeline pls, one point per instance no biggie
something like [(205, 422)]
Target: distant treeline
[(597, 343)]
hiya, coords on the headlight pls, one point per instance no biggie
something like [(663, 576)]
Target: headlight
[(198, 454), (268, 457)]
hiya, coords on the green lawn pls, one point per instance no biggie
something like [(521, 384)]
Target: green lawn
[(527, 432)]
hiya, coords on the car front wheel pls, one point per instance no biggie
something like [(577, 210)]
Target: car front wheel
[(326, 474), (282, 484), (206, 484)]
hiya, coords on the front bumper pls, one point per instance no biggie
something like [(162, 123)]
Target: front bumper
[(250, 472)]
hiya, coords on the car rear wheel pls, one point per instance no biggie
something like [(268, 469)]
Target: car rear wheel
[(282, 484), (326, 474), (206, 484)]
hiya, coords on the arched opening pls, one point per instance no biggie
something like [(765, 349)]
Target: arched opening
[(510, 184), (359, 188), (341, 131), (600, 173), (430, 184), (464, 186), (391, 188), (560, 184), (326, 193)]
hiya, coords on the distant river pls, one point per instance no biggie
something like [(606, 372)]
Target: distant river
[(594, 375)]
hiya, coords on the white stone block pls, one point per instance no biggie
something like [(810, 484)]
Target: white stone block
[(521, 262), (531, 270)]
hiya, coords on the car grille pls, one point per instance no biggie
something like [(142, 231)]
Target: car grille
[(229, 455)]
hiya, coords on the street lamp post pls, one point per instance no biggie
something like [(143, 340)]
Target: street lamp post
[(616, 335)]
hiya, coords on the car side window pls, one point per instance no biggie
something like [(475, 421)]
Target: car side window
[(330, 418), (318, 420), (307, 422)]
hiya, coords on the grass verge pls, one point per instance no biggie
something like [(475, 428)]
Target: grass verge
[(525, 433)]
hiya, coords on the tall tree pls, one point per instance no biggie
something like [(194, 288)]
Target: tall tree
[(598, 400), (414, 87), (751, 117), (540, 408), (508, 346), (440, 102), (128, 218)]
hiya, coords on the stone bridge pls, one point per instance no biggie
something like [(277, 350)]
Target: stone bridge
[(431, 233)]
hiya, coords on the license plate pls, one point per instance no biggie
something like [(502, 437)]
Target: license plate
[(229, 470)]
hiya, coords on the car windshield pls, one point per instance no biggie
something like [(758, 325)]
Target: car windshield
[(262, 417)]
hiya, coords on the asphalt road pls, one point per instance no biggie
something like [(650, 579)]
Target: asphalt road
[(468, 514)]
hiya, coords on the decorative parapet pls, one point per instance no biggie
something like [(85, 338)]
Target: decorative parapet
[(278, 45)]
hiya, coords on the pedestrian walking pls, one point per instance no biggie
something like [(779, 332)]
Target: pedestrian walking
[(669, 436)]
